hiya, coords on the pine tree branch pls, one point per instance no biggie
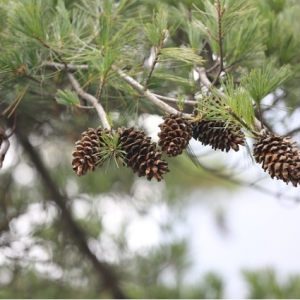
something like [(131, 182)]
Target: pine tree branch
[(101, 112), (206, 82), (211, 35), (47, 46), (106, 274), (4, 146), (32, 78), (173, 100), (61, 67), (220, 38), (239, 120), (203, 78), (102, 82), (157, 53), (138, 87), (152, 97)]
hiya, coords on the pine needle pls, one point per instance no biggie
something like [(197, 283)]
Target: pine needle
[(16, 102)]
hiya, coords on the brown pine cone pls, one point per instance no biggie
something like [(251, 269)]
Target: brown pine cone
[(141, 155), (216, 134), (175, 134), (85, 155), (279, 156)]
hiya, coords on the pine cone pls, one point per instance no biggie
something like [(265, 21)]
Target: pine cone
[(216, 134), (141, 155), (175, 134), (85, 158), (86, 155), (280, 156)]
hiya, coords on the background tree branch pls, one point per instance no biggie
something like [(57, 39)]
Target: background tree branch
[(106, 274)]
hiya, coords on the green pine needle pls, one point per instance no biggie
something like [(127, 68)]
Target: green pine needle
[(235, 107), (110, 150), (260, 82), (187, 55), (156, 30), (67, 97)]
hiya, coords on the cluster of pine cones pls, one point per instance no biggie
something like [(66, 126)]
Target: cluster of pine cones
[(279, 155), (140, 153)]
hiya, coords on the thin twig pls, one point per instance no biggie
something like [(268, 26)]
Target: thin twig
[(46, 45), (173, 100), (220, 37), (203, 77), (32, 78), (102, 82), (245, 125), (62, 68), (85, 107), (13, 128), (213, 67), (157, 53), (4, 146), (211, 35), (138, 87), (206, 82), (91, 99), (260, 114)]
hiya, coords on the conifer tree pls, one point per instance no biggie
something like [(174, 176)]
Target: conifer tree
[(90, 68)]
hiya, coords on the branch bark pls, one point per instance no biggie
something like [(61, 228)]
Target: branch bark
[(133, 83), (105, 273), (62, 68), (4, 146), (173, 100), (101, 112), (220, 37), (147, 94)]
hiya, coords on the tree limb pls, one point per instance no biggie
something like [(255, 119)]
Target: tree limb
[(154, 62), (138, 87), (173, 100), (4, 146), (133, 83), (101, 112), (220, 37), (61, 67), (106, 274)]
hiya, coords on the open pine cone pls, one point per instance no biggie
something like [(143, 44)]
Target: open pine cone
[(141, 155), (216, 134), (175, 134), (279, 156), (85, 154)]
